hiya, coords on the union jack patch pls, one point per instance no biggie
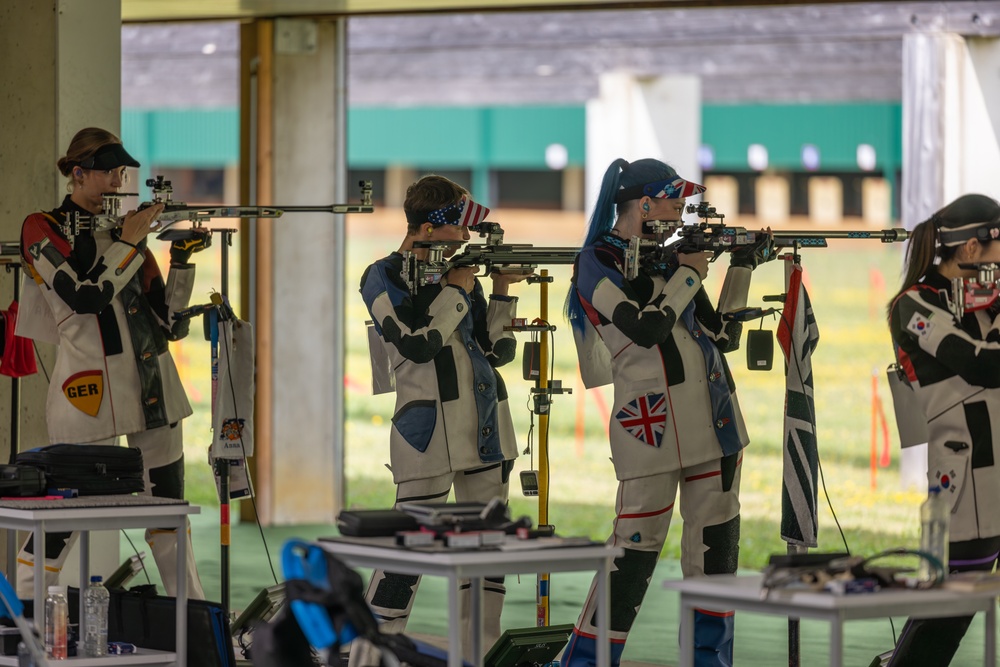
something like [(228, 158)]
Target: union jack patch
[(645, 418)]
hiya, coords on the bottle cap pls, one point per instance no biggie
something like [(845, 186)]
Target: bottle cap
[(96, 579)]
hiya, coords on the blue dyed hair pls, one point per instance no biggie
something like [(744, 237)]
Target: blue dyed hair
[(621, 174)]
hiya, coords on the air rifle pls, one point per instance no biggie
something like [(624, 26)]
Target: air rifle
[(111, 216), (971, 294), (713, 235), (493, 255)]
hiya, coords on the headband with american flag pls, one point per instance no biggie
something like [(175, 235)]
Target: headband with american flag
[(464, 212)]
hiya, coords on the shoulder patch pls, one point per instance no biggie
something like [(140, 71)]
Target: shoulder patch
[(919, 324)]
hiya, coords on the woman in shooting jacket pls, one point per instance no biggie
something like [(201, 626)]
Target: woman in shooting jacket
[(100, 297), (952, 363), (675, 422), (452, 426)]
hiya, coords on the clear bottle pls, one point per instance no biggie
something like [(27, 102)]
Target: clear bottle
[(935, 514), (24, 658), (56, 622), (95, 614)]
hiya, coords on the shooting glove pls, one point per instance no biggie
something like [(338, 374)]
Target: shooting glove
[(754, 254), (195, 240)]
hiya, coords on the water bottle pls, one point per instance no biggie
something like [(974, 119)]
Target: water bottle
[(934, 516), (56, 621), (24, 657), (95, 614)]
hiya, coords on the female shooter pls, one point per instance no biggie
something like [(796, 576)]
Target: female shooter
[(100, 297), (953, 365), (675, 421)]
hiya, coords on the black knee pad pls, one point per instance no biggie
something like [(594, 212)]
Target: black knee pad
[(628, 584), (168, 481), (492, 584), (505, 470), (54, 544), (394, 591), (727, 467), (723, 542)]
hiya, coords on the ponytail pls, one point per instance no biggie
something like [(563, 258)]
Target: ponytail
[(920, 253), (601, 222)]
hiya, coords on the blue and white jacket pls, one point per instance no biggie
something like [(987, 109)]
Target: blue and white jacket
[(675, 403), (444, 345)]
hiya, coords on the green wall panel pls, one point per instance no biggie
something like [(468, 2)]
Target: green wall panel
[(516, 137), (500, 137), (835, 129), (198, 138)]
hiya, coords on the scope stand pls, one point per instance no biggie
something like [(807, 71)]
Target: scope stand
[(542, 394), (219, 311)]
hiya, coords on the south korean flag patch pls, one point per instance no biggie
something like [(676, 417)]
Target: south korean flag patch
[(919, 325)]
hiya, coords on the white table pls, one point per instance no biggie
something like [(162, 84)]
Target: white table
[(381, 553), (102, 513), (742, 592)]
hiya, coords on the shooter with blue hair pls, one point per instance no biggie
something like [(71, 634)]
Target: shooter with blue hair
[(675, 423)]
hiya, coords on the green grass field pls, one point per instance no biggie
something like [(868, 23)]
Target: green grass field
[(848, 283)]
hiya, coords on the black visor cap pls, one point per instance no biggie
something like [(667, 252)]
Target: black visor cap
[(109, 156)]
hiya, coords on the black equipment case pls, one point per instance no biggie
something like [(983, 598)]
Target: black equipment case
[(93, 470), (21, 481)]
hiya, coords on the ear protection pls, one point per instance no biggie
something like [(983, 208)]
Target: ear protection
[(645, 207), (78, 172)]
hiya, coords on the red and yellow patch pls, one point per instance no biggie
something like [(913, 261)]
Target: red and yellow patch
[(232, 429), (85, 391)]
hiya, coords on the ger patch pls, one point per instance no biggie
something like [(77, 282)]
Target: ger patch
[(84, 391), (919, 325)]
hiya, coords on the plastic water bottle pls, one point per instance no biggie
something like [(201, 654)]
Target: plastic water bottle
[(56, 621), (934, 516), (95, 614), (24, 658)]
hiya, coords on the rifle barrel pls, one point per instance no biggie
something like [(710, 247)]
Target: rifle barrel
[(896, 234)]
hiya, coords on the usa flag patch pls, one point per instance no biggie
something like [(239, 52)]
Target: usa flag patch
[(645, 418)]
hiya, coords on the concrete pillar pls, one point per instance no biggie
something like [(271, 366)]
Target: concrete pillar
[(297, 272), (951, 87), (397, 178), (61, 72), (636, 118), (951, 121)]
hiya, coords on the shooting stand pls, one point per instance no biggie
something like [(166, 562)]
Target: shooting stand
[(543, 391)]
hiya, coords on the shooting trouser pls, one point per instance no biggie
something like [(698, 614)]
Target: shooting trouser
[(391, 595), (932, 642), (710, 507), (163, 471)]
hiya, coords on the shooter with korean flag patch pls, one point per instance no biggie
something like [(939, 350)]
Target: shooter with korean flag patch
[(951, 358), (676, 425)]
